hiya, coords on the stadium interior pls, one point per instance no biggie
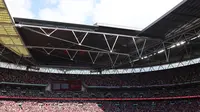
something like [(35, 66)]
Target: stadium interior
[(63, 67)]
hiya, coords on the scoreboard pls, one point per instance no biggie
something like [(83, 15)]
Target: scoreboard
[(68, 85)]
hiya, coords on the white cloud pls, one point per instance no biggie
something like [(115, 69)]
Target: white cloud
[(51, 2), (75, 11), (20, 8), (134, 13)]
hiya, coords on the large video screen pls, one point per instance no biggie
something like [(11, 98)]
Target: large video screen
[(69, 85)]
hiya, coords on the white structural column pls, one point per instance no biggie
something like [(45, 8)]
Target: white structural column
[(143, 47), (109, 46), (167, 52), (49, 51), (48, 34), (79, 41), (136, 47), (93, 60), (70, 55), (115, 61)]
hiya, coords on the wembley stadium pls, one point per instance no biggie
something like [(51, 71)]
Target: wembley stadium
[(48, 66)]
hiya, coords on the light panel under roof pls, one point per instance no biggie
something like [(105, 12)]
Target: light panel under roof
[(2, 4), (9, 36), (4, 16)]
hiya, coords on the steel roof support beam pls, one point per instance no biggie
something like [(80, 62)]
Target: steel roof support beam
[(1, 52), (93, 60), (83, 38), (73, 42), (70, 56), (109, 46), (115, 61), (52, 32), (49, 51), (43, 31), (48, 34), (107, 42), (56, 48), (80, 42), (130, 61), (173, 41), (110, 59), (96, 57), (138, 51), (75, 37), (94, 32), (74, 55), (143, 47), (91, 57), (167, 52), (114, 43), (6, 58), (136, 47)]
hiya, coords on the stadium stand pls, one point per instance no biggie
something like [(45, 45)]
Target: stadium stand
[(187, 74), (181, 82), (172, 90), (22, 91), (166, 89)]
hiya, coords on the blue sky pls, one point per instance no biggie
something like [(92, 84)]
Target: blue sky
[(135, 14)]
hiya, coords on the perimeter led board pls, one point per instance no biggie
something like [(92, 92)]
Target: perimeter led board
[(9, 36)]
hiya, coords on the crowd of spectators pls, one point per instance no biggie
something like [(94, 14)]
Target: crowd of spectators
[(105, 93), (145, 82), (17, 76), (34, 106), (165, 77), (101, 106), (153, 106)]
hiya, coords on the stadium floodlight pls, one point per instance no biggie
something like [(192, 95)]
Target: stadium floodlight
[(173, 46), (178, 44), (193, 38), (161, 51), (182, 42), (145, 57), (150, 55)]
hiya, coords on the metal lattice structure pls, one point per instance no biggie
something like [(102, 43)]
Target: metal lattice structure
[(109, 71)]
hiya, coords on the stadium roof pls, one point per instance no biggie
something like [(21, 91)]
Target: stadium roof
[(185, 12), (74, 45), (8, 33)]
